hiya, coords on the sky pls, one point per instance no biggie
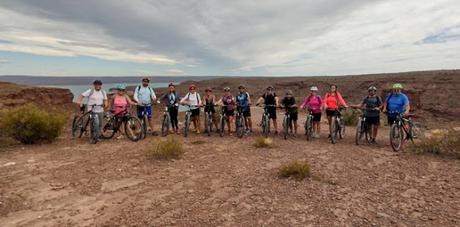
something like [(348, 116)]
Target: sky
[(234, 38)]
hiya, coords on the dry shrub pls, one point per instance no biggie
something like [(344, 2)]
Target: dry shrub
[(298, 170), (351, 116), (262, 142), (168, 149), (28, 124), (443, 142)]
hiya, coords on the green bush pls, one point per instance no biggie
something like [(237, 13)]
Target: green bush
[(351, 117), (445, 143), (171, 148), (28, 124), (262, 142), (299, 170)]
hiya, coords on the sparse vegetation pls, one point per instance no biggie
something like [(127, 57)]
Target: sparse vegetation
[(443, 142), (168, 149), (351, 117), (262, 142), (198, 142), (28, 124), (298, 170)]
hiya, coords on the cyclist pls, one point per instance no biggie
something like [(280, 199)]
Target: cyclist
[(314, 103), (271, 101), (144, 95), (228, 103), (171, 98), (244, 102), (332, 100), (119, 104), (288, 102), (209, 101), (396, 103), (96, 96), (372, 104), (193, 99)]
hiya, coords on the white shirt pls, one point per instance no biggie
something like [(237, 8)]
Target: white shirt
[(192, 99), (144, 95), (97, 98)]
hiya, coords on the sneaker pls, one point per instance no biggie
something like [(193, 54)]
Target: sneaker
[(198, 132), (316, 136), (276, 132)]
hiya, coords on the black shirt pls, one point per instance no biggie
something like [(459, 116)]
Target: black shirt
[(287, 103), (269, 99), (370, 103)]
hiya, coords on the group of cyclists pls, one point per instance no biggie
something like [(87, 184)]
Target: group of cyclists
[(394, 104)]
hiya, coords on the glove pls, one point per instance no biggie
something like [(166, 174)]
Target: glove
[(82, 108)]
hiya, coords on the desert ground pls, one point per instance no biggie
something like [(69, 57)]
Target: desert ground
[(226, 182)]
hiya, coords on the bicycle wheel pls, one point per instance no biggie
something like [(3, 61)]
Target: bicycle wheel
[(265, 125), (133, 129), (286, 126), (77, 125), (109, 129), (222, 126), (396, 137), (187, 124), (415, 131), (309, 127), (209, 124), (94, 128), (333, 130), (239, 126), (341, 125), (165, 125), (359, 132)]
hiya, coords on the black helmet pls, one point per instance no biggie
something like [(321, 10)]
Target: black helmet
[(171, 85), (241, 86), (270, 87), (97, 82)]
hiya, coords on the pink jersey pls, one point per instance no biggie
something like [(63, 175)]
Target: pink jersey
[(120, 105), (312, 103)]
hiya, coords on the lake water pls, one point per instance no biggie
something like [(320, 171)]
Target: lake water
[(78, 89)]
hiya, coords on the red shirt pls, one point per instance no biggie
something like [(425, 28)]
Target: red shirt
[(331, 100)]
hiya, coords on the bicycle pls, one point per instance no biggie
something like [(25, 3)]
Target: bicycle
[(209, 119), (362, 130), (133, 126), (287, 124), (144, 119), (265, 123), (188, 118), (402, 130), (79, 125), (166, 121), (337, 127), (309, 126), (240, 120), (223, 118)]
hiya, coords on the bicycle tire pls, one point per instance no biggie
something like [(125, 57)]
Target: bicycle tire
[(133, 124), (286, 126), (396, 137), (111, 124), (265, 126), (309, 127), (209, 124), (165, 125), (239, 127), (341, 128), (359, 132), (76, 126), (187, 124), (222, 126), (94, 123), (333, 129)]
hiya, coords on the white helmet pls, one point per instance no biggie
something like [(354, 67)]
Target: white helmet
[(314, 88)]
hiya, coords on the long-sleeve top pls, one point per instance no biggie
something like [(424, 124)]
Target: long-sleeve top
[(313, 103), (332, 101)]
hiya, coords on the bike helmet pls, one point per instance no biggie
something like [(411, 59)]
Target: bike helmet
[(171, 85), (314, 88), (97, 82), (372, 88), (397, 86), (145, 79), (226, 89), (289, 92), (121, 87), (270, 87), (192, 86), (208, 89), (241, 87), (334, 85)]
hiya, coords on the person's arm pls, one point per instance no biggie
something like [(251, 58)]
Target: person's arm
[(260, 100), (136, 95), (406, 105), (277, 101), (249, 99), (184, 99), (82, 96), (106, 102), (130, 102), (153, 96), (325, 102), (342, 102), (385, 105), (219, 102), (304, 103)]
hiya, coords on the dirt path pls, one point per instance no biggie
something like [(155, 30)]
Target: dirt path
[(226, 182)]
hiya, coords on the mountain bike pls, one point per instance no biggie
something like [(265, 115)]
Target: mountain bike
[(362, 130), (132, 125), (80, 125), (188, 118), (309, 126), (287, 124), (265, 123), (402, 130), (337, 127), (222, 120), (144, 119), (166, 120), (209, 119), (240, 122)]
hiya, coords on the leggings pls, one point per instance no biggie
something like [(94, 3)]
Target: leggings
[(173, 114)]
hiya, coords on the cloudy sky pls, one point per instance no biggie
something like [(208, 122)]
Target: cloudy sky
[(238, 37)]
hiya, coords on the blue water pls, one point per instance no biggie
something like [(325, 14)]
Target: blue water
[(78, 89)]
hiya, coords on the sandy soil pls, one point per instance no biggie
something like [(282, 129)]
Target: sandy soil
[(226, 182)]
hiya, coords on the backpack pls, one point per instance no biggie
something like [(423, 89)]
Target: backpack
[(92, 92), (378, 99), (198, 98), (138, 88)]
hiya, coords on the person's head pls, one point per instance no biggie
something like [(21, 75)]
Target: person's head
[(333, 88), (397, 88), (192, 88), (121, 89), (145, 81), (289, 94), (270, 89), (171, 87), (227, 90), (241, 88), (208, 91), (372, 90), (97, 85), (314, 90)]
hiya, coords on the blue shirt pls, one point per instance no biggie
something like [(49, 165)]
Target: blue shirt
[(243, 100), (396, 103)]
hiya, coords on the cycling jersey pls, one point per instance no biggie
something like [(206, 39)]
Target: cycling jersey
[(144, 95), (287, 103), (396, 102), (120, 105), (95, 98), (243, 100), (372, 102), (269, 99), (313, 103), (332, 101), (228, 100), (192, 99)]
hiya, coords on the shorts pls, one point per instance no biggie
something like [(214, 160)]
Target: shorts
[(316, 117), (247, 112), (294, 116), (330, 113), (272, 112), (373, 120), (391, 119), (229, 112), (195, 112), (148, 109)]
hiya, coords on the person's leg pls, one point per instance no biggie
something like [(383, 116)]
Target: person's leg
[(230, 122), (198, 122), (295, 127), (174, 121), (149, 116), (100, 117), (275, 125)]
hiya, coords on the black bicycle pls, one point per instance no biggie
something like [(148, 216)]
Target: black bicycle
[(80, 124), (166, 121), (132, 125), (337, 127), (363, 132), (287, 124), (265, 123), (402, 130), (222, 120), (240, 122), (144, 118), (188, 118), (209, 119), (309, 126)]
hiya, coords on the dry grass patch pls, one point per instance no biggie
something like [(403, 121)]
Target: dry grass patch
[(168, 149), (351, 116), (262, 142), (443, 142), (198, 142), (298, 170)]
